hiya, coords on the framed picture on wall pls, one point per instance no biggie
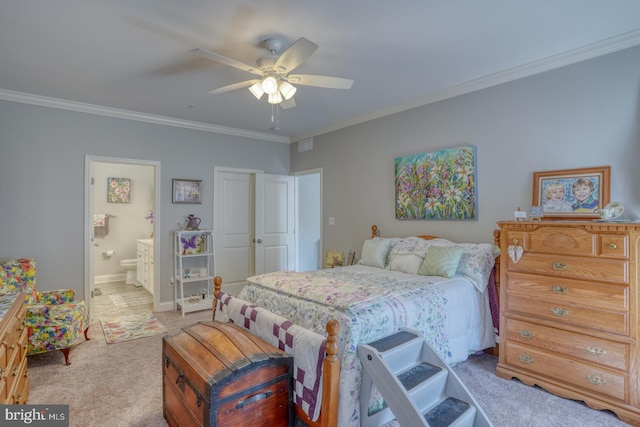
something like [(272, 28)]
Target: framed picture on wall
[(187, 191), (572, 193)]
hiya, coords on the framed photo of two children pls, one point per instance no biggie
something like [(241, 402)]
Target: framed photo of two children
[(572, 193)]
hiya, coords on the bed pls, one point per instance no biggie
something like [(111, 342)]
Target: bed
[(444, 290)]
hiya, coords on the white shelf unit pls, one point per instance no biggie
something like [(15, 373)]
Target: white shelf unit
[(194, 270)]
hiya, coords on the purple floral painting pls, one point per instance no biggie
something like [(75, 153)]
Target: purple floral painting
[(439, 186), (118, 190)]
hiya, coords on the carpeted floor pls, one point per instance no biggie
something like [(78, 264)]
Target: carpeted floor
[(121, 385)]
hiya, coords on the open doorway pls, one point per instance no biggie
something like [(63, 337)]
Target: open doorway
[(121, 218), (308, 189)]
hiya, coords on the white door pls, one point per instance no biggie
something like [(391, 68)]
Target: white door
[(274, 240), (233, 227)]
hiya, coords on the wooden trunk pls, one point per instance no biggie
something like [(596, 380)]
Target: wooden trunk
[(217, 374)]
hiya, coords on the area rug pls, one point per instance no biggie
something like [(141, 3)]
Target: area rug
[(131, 299), (126, 328)]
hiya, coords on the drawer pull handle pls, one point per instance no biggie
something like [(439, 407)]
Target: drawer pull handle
[(613, 246), (18, 399), (13, 347), (559, 311), (1, 373), (199, 400), (596, 351), (525, 359), (15, 371), (560, 266), (559, 289), (526, 334), (596, 380), (241, 403), (515, 242)]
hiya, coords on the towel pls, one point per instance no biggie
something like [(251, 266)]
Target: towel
[(307, 347), (99, 220)]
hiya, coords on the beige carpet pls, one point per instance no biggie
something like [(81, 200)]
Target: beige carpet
[(121, 385)]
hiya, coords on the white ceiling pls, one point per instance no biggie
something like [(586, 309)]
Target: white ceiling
[(132, 57)]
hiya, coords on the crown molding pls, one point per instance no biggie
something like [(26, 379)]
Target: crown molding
[(64, 104), (594, 50)]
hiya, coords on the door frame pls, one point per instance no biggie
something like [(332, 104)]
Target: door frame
[(89, 162)]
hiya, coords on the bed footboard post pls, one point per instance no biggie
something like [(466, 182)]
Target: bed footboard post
[(217, 287), (331, 377)]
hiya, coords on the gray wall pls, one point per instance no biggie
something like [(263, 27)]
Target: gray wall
[(583, 115), (42, 158)]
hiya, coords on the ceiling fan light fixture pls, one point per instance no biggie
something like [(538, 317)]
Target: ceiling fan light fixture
[(275, 98), (287, 90), (256, 90), (270, 85)]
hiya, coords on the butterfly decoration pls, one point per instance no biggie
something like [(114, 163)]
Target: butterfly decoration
[(188, 243)]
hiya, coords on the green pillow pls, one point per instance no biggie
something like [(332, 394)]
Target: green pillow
[(441, 261)]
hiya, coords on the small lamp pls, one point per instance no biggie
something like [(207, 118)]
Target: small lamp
[(270, 85), (287, 90), (256, 90), (275, 98)]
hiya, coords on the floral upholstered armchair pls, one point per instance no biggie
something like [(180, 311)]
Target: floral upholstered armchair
[(54, 319)]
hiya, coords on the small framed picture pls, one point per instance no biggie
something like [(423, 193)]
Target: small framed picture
[(350, 257), (572, 193), (187, 191), (536, 212)]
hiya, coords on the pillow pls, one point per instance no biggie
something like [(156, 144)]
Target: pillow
[(441, 261), (477, 261), (374, 252), (406, 262)]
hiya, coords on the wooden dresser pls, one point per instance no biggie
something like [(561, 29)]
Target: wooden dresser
[(569, 315), (14, 383)]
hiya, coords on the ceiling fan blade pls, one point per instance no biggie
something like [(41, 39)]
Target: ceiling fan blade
[(226, 61), (288, 103), (295, 55), (320, 81), (234, 86)]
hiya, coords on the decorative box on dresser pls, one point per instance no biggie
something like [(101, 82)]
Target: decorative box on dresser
[(14, 383), (569, 314)]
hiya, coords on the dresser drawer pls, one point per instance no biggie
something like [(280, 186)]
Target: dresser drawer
[(556, 368), (601, 269), (568, 314), (570, 241), (560, 290), (590, 349)]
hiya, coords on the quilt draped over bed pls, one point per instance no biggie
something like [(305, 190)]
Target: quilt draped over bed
[(307, 347)]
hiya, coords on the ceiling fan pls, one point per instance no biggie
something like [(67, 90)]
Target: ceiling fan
[(273, 72)]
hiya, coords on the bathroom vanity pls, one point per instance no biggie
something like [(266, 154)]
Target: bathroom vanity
[(144, 272)]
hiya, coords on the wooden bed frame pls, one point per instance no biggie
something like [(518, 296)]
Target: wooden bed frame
[(331, 365)]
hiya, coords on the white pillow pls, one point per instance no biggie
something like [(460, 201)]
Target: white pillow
[(374, 252), (406, 262)]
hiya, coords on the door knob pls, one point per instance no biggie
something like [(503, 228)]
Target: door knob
[(257, 241)]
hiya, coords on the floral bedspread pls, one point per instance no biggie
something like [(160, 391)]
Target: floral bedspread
[(369, 303)]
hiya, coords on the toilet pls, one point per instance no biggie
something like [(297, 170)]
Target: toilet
[(130, 266)]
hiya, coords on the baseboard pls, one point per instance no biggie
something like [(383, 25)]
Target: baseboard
[(109, 278)]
